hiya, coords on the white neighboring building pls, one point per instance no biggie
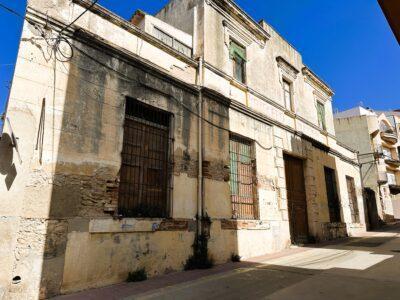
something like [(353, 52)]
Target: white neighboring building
[(376, 136)]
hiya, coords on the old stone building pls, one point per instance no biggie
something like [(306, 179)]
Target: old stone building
[(128, 142), (376, 135)]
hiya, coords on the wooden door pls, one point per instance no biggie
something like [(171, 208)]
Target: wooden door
[(297, 203)]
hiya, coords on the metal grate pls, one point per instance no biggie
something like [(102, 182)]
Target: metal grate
[(243, 179), (146, 167)]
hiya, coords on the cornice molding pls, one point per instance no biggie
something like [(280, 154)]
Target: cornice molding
[(316, 82), (234, 13), (264, 98), (131, 28), (243, 37), (98, 43), (288, 68)]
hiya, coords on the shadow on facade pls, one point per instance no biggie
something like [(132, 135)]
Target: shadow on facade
[(7, 167), (315, 199), (307, 272), (88, 168)]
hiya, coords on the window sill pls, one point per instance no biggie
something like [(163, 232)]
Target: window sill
[(290, 114), (244, 225), (126, 225), (239, 85), (324, 132)]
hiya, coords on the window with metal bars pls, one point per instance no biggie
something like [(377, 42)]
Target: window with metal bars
[(146, 164), (243, 178), (351, 190)]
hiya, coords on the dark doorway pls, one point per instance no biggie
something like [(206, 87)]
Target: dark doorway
[(372, 209), (351, 190), (297, 203), (333, 198)]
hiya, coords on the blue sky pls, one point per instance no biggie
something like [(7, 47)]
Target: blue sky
[(348, 43)]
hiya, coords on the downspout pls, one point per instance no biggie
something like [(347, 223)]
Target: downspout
[(365, 206), (200, 198), (199, 83)]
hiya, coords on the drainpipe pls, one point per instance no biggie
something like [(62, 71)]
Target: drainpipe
[(200, 198), (365, 207), (195, 33)]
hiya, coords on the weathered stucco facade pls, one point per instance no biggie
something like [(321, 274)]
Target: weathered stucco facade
[(61, 230)]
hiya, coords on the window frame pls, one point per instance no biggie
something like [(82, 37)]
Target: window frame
[(241, 214), (166, 124), (321, 123), (235, 61), (392, 179), (174, 41), (290, 85), (387, 153)]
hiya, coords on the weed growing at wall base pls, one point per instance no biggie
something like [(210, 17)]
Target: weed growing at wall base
[(138, 275), (200, 258)]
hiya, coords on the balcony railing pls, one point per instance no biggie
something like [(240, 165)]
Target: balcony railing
[(389, 137), (393, 162)]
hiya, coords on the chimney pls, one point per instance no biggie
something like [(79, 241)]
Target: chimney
[(138, 17)]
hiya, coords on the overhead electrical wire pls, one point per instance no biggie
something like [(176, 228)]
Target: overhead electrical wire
[(80, 16), (127, 78), (56, 48), (10, 10)]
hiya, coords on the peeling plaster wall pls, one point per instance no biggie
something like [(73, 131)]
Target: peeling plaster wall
[(55, 230), (72, 177)]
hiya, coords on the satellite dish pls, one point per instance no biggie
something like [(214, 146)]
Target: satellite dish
[(14, 140)]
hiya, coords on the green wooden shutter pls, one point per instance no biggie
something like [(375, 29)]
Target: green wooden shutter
[(237, 51)]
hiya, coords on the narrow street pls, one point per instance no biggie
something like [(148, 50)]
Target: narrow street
[(366, 267)]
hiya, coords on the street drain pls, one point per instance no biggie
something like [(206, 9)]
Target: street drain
[(395, 251)]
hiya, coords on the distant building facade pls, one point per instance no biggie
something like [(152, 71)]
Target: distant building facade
[(139, 139), (376, 135)]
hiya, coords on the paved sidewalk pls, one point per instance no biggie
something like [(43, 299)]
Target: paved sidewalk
[(123, 290), (356, 268)]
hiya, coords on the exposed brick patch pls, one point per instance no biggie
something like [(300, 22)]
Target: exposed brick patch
[(332, 231), (174, 225), (91, 194), (241, 224), (185, 162), (216, 170)]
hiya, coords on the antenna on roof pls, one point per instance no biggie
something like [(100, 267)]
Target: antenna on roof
[(361, 103), (14, 140)]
